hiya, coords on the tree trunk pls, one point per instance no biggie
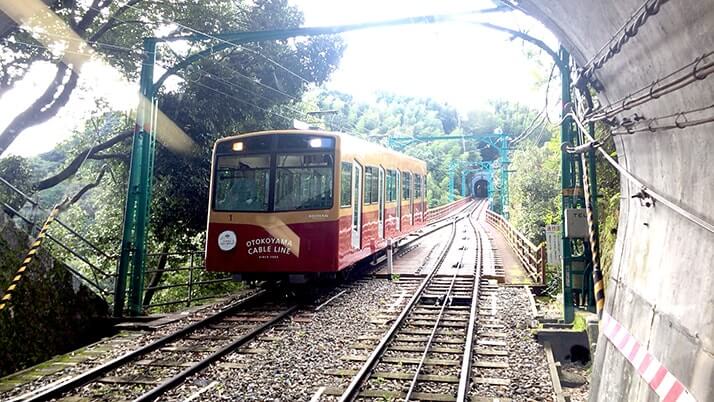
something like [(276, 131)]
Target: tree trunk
[(156, 276), (50, 102), (42, 109), (76, 163)]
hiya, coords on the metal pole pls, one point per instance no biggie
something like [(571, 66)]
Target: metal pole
[(390, 258), (190, 281), (463, 183), (452, 172), (567, 186), (505, 162), (133, 247)]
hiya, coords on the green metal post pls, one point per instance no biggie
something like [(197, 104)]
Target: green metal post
[(463, 183), (452, 173), (567, 186), (133, 247), (490, 186), (505, 162)]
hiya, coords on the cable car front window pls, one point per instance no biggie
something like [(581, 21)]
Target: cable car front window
[(242, 183), (303, 181)]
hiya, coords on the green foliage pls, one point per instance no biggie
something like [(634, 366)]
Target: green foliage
[(535, 194), (535, 188), (608, 205), (17, 171), (393, 115)]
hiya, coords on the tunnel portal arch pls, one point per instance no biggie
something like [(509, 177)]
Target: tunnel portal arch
[(481, 185), (480, 189)]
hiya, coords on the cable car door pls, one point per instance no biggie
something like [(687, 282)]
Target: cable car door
[(399, 200), (380, 202), (356, 205)]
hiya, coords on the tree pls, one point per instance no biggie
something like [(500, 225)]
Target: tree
[(535, 188), (115, 32), (245, 88)]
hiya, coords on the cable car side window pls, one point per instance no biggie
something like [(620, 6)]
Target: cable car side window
[(346, 185), (417, 186), (406, 185), (391, 185), (242, 183), (303, 181), (371, 185)]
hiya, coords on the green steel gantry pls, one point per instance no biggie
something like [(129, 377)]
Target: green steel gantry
[(497, 140)]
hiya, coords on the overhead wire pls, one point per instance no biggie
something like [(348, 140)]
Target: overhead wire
[(212, 76), (252, 79), (218, 91), (231, 96), (198, 32), (187, 78), (543, 113)]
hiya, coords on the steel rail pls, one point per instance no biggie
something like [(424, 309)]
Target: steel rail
[(462, 393), (95, 373), (180, 377), (436, 224), (353, 389), (444, 303)]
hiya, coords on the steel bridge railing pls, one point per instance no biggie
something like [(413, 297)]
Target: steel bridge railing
[(96, 271), (532, 257), (434, 214), (183, 280)]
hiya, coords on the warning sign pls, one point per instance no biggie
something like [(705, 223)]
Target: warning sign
[(554, 244)]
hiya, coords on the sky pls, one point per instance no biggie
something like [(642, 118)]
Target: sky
[(458, 63)]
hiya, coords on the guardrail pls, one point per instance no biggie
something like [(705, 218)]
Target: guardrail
[(80, 256), (532, 257), (437, 213), (182, 280)]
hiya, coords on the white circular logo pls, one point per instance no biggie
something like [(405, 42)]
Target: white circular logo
[(227, 240)]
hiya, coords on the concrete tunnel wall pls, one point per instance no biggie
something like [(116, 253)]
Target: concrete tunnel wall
[(662, 283)]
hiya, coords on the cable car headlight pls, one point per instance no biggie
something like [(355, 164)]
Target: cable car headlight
[(237, 146), (227, 240), (316, 143)]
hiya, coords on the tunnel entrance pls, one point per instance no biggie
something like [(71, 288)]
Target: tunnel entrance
[(481, 189)]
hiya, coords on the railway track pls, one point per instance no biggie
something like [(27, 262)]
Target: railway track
[(150, 371), (428, 351), (146, 373)]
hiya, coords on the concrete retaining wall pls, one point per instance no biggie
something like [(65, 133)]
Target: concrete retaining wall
[(50, 313), (662, 282)]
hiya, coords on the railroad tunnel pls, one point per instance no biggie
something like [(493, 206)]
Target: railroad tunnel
[(661, 280), (480, 188)]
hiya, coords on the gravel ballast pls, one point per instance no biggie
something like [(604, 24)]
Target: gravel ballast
[(294, 359), (530, 379)]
